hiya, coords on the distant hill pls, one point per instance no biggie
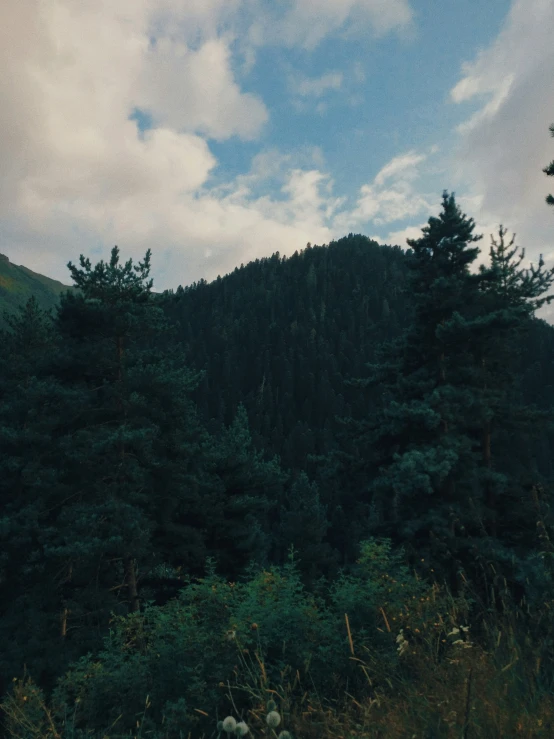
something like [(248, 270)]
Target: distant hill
[(18, 283)]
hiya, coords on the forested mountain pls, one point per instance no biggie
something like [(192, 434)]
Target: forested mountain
[(281, 335), (304, 413), (284, 336)]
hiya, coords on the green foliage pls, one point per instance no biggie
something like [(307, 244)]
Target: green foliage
[(174, 669), (24, 712), (244, 488), (435, 489), (178, 655), (105, 428), (288, 625), (184, 655), (303, 525), (286, 351), (382, 595)]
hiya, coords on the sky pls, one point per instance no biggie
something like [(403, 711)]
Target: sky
[(215, 132)]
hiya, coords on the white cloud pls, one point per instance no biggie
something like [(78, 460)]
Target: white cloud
[(315, 86), (498, 96), (72, 161), (307, 92), (194, 20), (391, 196), (195, 91), (402, 167), (308, 22), (399, 237), (76, 175), (505, 143)]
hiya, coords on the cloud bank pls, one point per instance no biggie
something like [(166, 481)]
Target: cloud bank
[(505, 143), (78, 173)]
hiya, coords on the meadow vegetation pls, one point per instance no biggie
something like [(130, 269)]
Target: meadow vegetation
[(380, 653)]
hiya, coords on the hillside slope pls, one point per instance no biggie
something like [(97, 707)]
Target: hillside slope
[(18, 283)]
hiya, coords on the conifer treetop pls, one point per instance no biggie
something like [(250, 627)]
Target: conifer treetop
[(447, 236), (517, 287), (112, 282)]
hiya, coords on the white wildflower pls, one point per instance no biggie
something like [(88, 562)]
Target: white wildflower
[(273, 719), (402, 642), (229, 725)]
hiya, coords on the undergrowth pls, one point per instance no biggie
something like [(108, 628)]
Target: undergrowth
[(381, 654)]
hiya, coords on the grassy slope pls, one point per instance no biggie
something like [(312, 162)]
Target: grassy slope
[(18, 283)]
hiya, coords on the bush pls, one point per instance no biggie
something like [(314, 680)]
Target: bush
[(381, 653)]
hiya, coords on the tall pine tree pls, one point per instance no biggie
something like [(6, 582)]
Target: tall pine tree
[(29, 488), (113, 448), (432, 490)]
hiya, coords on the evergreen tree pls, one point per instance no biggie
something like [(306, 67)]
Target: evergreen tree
[(107, 526), (119, 449), (427, 442), (244, 494), (514, 293), (304, 525), (31, 488)]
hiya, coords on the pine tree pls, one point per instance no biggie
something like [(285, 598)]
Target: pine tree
[(31, 487), (245, 489), (108, 522), (119, 449), (428, 442), (304, 525), (514, 293)]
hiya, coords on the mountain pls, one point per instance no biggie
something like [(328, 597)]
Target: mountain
[(18, 283), (281, 334)]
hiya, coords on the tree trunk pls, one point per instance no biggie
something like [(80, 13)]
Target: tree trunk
[(119, 379), (487, 461), (128, 561), (64, 616), (131, 580), (65, 611)]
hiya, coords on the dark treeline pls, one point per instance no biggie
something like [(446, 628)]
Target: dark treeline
[(347, 393)]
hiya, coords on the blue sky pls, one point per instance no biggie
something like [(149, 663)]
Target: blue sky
[(219, 131)]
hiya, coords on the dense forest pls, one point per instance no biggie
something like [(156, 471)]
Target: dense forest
[(285, 497)]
